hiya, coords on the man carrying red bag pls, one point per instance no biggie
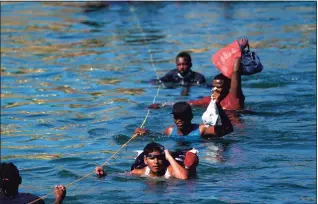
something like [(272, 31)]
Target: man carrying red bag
[(227, 86)]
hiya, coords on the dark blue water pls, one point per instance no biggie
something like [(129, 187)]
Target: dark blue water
[(74, 87)]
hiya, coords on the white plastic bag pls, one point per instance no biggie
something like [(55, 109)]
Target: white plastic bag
[(211, 115)]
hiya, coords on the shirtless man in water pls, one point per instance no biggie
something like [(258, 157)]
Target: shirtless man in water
[(160, 163)]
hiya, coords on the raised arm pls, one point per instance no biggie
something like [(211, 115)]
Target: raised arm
[(176, 169), (236, 85)]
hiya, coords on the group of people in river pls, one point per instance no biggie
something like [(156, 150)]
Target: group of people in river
[(226, 95), (156, 161)]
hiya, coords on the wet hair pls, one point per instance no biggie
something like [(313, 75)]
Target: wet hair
[(184, 55), (226, 80), (153, 147), (9, 179)]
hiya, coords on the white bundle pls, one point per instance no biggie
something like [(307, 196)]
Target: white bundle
[(211, 115), (194, 151)]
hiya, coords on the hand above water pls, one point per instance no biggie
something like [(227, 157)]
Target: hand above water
[(60, 192), (243, 42), (154, 106), (141, 131), (100, 172)]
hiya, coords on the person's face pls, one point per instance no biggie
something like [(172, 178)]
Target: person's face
[(183, 65), (182, 121), (155, 161), (220, 87)]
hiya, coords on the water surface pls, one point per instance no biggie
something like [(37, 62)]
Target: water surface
[(74, 87)]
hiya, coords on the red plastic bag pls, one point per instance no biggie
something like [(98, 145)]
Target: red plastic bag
[(224, 58)]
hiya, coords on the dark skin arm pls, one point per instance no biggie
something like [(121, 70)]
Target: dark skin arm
[(141, 131), (155, 106), (60, 192), (226, 127), (236, 85)]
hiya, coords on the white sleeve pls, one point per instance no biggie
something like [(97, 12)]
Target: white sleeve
[(211, 115)]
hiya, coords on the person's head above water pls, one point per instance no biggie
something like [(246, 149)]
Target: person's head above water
[(154, 157), (182, 114), (10, 179), (153, 146), (182, 109), (221, 84), (183, 62)]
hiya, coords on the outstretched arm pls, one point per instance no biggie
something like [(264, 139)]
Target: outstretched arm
[(141, 131), (161, 105), (201, 102), (176, 169), (155, 106)]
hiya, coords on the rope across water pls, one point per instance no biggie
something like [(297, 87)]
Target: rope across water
[(132, 10)]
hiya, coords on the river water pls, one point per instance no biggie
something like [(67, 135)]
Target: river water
[(75, 85)]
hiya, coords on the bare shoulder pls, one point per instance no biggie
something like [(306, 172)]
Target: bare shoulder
[(138, 171), (168, 130), (202, 128)]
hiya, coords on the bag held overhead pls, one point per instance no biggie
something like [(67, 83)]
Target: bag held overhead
[(224, 58)]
